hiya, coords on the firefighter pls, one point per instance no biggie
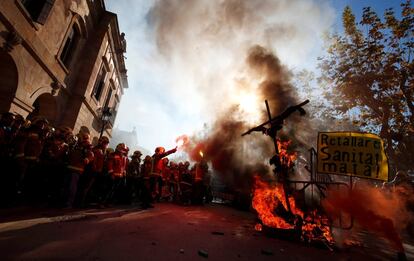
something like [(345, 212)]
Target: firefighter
[(78, 158), (134, 176), (34, 181), (208, 194), (186, 183), (165, 175), (6, 131), (18, 161), (53, 158), (6, 178), (95, 172), (158, 166), (200, 170), (117, 164), (9, 164), (146, 169), (173, 180)]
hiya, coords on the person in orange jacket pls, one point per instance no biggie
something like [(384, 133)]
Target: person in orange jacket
[(146, 169), (78, 158), (117, 166), (134, 176), (7, 186), (53, 165), (33, 177), (95, 172), (158, 166)]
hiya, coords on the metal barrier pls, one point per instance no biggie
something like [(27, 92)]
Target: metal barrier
[(316, 189)]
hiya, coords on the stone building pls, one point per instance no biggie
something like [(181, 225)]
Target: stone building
[(62, 60)]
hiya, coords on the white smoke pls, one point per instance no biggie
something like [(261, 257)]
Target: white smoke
[(198, 67), (205, 44)]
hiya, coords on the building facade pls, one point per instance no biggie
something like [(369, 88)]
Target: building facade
[(62, 60)]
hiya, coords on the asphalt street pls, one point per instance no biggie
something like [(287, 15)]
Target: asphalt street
[(166, 232)]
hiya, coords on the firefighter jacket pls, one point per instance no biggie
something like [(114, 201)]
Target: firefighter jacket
[(174, 175), (19, 144), (201, 169), (80, 156), (166, 172), (6, 137), (117, 164), (33, 145), (54, 153), (99, 159), (158, 164), (146, 168), (134, 169), (198, 173)]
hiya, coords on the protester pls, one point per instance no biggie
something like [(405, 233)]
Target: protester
[(158, 167), (95, 170), (117, 164), (134, 176), (78, 158), (46, 165)]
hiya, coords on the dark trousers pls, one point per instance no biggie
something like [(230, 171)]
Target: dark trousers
[(55, 184), (33, 181), (145, 192), (156, 187), (114, 187), (87, 182), (72, 180), (102, 186), (134, 188), (198, 193), (7, 182)]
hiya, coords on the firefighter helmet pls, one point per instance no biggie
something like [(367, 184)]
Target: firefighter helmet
[(121, 147), (136, 154), (159, 150), (40, 121)]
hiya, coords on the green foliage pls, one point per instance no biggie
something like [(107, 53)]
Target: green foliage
[(369, 71)]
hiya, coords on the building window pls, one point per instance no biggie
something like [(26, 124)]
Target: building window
[(70, 46), (108, 98), (99, 84), (38, 9)]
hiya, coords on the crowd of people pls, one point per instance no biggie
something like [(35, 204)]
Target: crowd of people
[(41, 164)]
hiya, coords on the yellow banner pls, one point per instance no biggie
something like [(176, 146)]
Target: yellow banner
[(352, 153)]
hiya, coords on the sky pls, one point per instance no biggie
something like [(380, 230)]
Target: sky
[(186, 59)]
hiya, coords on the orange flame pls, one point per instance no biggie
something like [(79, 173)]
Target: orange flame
[(181, 141), (287, 158), (201, 153), (267, 198), (316, 227)]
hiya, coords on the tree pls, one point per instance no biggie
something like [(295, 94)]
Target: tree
[(370, 73)]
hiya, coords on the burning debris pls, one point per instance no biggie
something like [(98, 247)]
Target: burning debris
[(272, 201), (269, 199), (270, 205)]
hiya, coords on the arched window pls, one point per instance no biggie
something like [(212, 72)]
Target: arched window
[(70, 46), (38, 9)]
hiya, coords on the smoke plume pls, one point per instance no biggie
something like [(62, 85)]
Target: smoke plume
[(224, 55), (230, 154), (379, 211)]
